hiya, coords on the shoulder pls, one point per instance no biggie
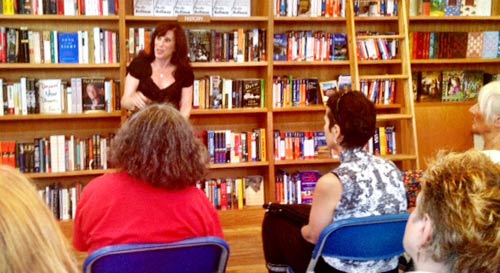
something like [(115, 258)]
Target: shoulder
[(140, 67)]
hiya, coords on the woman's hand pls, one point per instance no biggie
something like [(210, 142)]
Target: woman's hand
[(139, 101)]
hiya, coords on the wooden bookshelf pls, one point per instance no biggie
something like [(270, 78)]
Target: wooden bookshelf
[(241, 227), (447, 125)]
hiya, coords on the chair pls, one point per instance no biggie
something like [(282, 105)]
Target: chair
[(198, 255), (362, 239)]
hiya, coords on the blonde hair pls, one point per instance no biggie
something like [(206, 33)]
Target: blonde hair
[(489, 101), (30, 238), (461, 195)]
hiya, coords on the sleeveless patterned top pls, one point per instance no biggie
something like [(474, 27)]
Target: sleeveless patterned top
[(371, 186)]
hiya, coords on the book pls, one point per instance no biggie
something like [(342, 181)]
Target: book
[(222, 8), (50, 96), (280, 47), (254, 190), (93, 94), (252, 93), (473, 81), (199, 45), (453, 85), (344, 83), (340, 46), (143, 7), (327, 89), (241, 8), (68, 47), (202, 7), (308, 180), (184, 7), (163, 8), (430, 86)]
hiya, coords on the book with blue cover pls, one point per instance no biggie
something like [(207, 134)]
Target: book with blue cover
[(67, 47)]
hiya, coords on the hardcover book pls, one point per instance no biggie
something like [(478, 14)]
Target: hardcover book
[(490, 44), (143, 7), (203, 7), (452, 8), (93, 95), (430, 86), (241, 8), (453, 85), (51, 96), (475, 44), (252, 93), (254, 190), (164, 7), (68, 47), (222, 8), (199, 44), (473, 81), (184, 7)]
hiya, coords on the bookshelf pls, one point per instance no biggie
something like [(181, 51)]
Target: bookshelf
[(399, 114), (448, 124)]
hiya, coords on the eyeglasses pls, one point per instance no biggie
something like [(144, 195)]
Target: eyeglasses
[(337, 106)]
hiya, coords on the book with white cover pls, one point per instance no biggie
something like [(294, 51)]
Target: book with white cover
[(143, 7), (184, 7), (50, 96), (164, 7), (203, 7)]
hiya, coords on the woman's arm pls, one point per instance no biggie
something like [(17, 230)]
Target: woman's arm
[(132, 98), (326, 197), (186, 103)]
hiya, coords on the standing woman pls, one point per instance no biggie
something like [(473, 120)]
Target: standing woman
[(162, 75)]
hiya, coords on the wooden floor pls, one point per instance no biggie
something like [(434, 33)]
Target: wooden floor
[(242, 231)]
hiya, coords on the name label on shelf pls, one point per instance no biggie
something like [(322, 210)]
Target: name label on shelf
[(193, 18)]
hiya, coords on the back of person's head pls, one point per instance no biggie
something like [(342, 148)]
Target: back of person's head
[(158, 146), (489, 101), (354, 114), (461, 196), (30, 238)]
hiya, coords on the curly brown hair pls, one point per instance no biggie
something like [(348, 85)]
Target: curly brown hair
[(158, 146), (461, 195)]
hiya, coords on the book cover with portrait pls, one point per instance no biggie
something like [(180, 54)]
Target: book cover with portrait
[(93, 95)]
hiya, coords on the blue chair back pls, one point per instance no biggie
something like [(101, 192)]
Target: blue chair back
[(198, 255), (362, 239)]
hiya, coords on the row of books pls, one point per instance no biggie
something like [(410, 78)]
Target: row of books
[(56, 153), (296, 145), (60, 7), (223, 8), (226, 146), (377, 48), (448, 85), (295, 188), (215, 92), (56, 96), (234, 193), (450, 8), (62, 201), (309, 46), (22, 45), (289, 91), (376, 8), (310, 8), (209, 45), (445, 45), (379, 91)]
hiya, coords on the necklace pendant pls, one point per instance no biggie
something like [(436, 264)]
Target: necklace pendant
[(161, 75)]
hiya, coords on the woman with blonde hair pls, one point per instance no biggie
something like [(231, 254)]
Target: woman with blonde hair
[(455, 226), (30, 238)]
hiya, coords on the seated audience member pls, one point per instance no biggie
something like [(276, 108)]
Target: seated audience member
[(486, 122), (362, 185), (30, 238), (153, 197), (455, 226)]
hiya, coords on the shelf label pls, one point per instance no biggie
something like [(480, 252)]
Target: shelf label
[(193, 18)]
